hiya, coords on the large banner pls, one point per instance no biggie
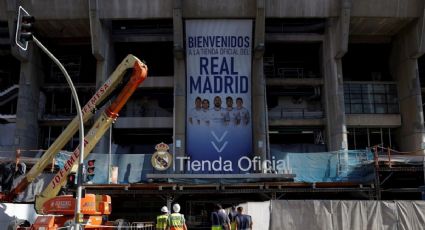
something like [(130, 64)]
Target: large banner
[(219, 120)]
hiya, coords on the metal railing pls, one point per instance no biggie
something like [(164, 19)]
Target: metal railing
[(294, 113), (147, 112), (142, 226), (132, 226)]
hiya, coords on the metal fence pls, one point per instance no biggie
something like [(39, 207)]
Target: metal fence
[(294, 113), (142, 226)]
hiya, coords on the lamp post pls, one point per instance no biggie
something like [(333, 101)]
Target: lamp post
[(24, 34), (81, 132)]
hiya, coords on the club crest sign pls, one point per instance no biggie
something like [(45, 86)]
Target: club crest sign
[(161, 159)]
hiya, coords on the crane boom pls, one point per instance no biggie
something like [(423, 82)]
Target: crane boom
[(101, 94), (101, 125)]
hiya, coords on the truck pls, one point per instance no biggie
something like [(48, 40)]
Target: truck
[(59, 211)]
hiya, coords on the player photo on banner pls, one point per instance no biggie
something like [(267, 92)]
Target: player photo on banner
[(218, 116)]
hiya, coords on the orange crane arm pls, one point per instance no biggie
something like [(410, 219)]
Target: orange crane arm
[(102, 93), (99, 128)]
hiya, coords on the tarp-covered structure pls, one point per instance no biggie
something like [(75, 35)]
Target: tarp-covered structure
[(338, 166), (303, 214), (336, 214)]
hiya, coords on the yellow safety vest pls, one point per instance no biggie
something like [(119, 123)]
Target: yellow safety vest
[(176, 221), (233, 225), (161, 222)]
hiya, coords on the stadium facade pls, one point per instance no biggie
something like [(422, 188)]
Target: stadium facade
[(313, 76)]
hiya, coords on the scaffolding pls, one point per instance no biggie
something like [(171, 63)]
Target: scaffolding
[(394, 173)]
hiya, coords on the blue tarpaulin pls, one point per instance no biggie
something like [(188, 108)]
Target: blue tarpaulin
[(338, 166)]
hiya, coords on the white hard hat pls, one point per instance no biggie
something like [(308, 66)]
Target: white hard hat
[(164, 209), (176, 208)]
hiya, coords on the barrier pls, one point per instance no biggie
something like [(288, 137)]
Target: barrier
[(142, 226)]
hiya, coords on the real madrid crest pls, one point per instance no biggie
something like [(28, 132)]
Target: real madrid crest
[(161, 159)]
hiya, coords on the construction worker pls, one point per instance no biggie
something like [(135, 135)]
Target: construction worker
[(232, 217), (176, 220), (219, 219), (243, 221), (161, 220)]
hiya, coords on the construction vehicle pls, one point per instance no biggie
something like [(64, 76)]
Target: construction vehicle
[(94, 208)]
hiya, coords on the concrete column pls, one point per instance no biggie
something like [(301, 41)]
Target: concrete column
[(406, 48), (336, 131), (259, 118), (179, 132), (335, 45), (31, 75), (102, 49)]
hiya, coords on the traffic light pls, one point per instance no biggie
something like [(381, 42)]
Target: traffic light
[(70, 182), (90, 170), (24, 28)]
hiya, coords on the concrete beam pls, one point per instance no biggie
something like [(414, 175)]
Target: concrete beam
[(3, 10), (298, 82), (135, 9), (296, 122), (142, 38), (302, 8), (96, 30), (343, 29), (158, 82), (386, 8), (374, 120), (418, 32), (219, 9), (143, 122), (294, 38), (57, 9)]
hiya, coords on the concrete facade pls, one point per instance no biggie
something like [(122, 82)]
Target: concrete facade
[(401, 23)]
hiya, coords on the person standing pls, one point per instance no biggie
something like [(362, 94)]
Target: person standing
[(232, 217), (219, 219), (217, 113), (176, 220), (161, 220), (243, 221), (243, 113), (205, 114), (195, 113), (231, 115)]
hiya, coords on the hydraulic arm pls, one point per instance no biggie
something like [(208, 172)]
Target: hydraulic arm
[(101, 125), (102, 93)]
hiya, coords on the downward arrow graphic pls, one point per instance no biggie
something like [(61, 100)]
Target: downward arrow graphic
[(219, 139), (219, 149), (222, 136)]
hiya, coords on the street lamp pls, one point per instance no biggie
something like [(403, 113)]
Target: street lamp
[(23, 35)]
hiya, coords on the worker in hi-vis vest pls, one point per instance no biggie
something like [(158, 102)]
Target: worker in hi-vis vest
[(232, 217), (176, 220), (161, 220)]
